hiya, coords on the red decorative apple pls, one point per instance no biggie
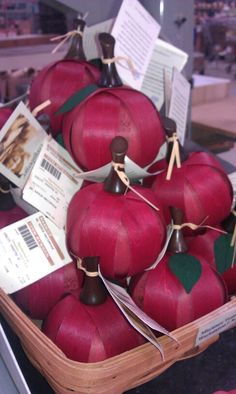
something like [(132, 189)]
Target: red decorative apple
[(38, 298), (91, 328), (200, 188), (112, 110), (59, 80), (182, 287), (218, 250), (122, 229)]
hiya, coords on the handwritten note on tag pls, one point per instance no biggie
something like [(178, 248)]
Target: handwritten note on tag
[(52, 182), (135, 31), (30, 249), (21, 139)]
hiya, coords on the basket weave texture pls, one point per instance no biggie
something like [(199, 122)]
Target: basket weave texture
[(114, 375)]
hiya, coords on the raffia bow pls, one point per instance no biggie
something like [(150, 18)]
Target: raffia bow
[(119, 59), (124, 178), (81, 267), (65, 38), (193, 226), (175, 155)]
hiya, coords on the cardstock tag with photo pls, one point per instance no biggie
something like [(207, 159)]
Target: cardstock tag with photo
[(21, 139)]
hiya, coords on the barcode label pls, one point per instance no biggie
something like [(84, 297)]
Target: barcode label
[(27, 237), (51, 169)]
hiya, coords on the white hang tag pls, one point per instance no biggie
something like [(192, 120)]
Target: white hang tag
[(137, 318), (52, 182), (170, 230), (30, 249), (165, 56), (97, 175), (135, 32), (21, 139), (132, 170), (179, 103)]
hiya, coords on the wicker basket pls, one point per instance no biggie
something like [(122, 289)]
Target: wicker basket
[(115, 375)]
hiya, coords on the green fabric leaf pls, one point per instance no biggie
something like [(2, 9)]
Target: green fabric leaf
[(186, 268), (77, 98), (60, 140), (223, 253)]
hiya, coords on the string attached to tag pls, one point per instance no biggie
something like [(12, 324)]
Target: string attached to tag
[(193, 226), (65, 38), (175, 155), (123, 177), (119, 59)]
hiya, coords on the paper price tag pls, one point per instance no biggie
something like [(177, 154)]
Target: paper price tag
[(53, 182), (30, 249)]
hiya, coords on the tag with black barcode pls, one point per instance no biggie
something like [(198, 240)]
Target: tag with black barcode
[(27, 236), (30, 249), (51, 169), (52, 182)]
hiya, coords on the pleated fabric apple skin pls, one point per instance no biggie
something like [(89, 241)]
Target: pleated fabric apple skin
[(218, 252), (106, 114), (58, 82), (200, 188), (88, 333), (123, 230), (60, 79), (162, 296), (109, 111), (37, 299), (182, 287)]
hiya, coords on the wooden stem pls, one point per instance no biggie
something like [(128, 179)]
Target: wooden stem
[(170, 128), (177, 243), (93, 291), (113, 183), (76, 50), (109, 76)]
